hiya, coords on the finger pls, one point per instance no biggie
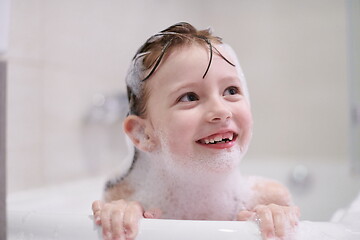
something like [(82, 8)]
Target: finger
[(117, 224), (280, 220), (105, 216), (96, 207), (265, 221), (154, 213), (293, 214), (132, 216), (245, 216), (117, 220)]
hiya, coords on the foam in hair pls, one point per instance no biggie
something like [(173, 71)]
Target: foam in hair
[(135, 74)]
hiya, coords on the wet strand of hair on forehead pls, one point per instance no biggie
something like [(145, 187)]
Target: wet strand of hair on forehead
[(163, 50), (157, 61), (222, 56), (211, 53)]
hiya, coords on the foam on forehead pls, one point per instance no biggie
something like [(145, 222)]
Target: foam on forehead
[(135, 73)]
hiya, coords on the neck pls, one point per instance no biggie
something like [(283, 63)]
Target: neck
[(186, 194)]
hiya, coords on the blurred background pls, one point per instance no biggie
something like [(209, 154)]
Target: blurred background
[(66, 66)]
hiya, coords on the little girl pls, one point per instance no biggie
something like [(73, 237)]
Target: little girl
[(191, 124)]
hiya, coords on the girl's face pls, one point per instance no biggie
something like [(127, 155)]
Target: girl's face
[(195, 121)]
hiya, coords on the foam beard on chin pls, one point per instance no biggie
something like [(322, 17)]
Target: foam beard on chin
[(201, 164)]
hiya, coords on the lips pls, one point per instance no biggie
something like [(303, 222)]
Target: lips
[(218, 138)]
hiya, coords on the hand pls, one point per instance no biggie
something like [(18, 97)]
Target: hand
[(120, 219), (274, 220)]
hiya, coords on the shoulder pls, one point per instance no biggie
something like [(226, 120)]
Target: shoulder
[(267, 191), (117, 188)]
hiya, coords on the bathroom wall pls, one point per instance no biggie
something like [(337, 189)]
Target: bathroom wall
[(64, 56), (4, 24), (354, 83), (2, 149)]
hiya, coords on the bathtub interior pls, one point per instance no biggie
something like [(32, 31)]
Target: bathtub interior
[(68, 198)]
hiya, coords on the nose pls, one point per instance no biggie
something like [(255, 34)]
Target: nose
[(217, 111)]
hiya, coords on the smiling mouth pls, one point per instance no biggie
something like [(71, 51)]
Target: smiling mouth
[(218, 138)]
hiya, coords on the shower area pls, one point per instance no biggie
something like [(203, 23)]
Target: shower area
[(63, 98)]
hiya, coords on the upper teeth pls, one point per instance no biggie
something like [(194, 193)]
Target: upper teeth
[(219, 138)]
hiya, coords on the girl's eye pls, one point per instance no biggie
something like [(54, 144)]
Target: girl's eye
[(188, 97), (232, 91)]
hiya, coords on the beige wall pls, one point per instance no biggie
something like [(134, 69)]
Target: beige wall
[(2, 149), (63, 53)]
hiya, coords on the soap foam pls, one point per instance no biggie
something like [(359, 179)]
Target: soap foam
[(208, 161), (193, 187), (135, 74)]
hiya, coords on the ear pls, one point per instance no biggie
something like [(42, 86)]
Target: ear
[(137, 130)]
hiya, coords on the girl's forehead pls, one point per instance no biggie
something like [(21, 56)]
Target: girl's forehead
[(197, 50), (193, 60), (187, 56)]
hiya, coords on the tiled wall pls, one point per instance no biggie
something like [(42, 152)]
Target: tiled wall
[(64, 54)]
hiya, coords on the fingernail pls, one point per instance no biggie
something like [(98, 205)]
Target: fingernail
[(129, 235), (149, 215), (108, 236), (270, 235)]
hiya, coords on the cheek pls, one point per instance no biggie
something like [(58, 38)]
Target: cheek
[(247, 119), (245, 123), (244, 116), (177, 131)]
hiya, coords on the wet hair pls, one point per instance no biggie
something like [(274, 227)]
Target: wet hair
[(149, 56)]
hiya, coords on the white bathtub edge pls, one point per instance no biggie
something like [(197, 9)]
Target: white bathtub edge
[(35, 225)]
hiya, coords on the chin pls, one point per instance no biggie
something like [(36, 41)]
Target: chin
[(220, 162)]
